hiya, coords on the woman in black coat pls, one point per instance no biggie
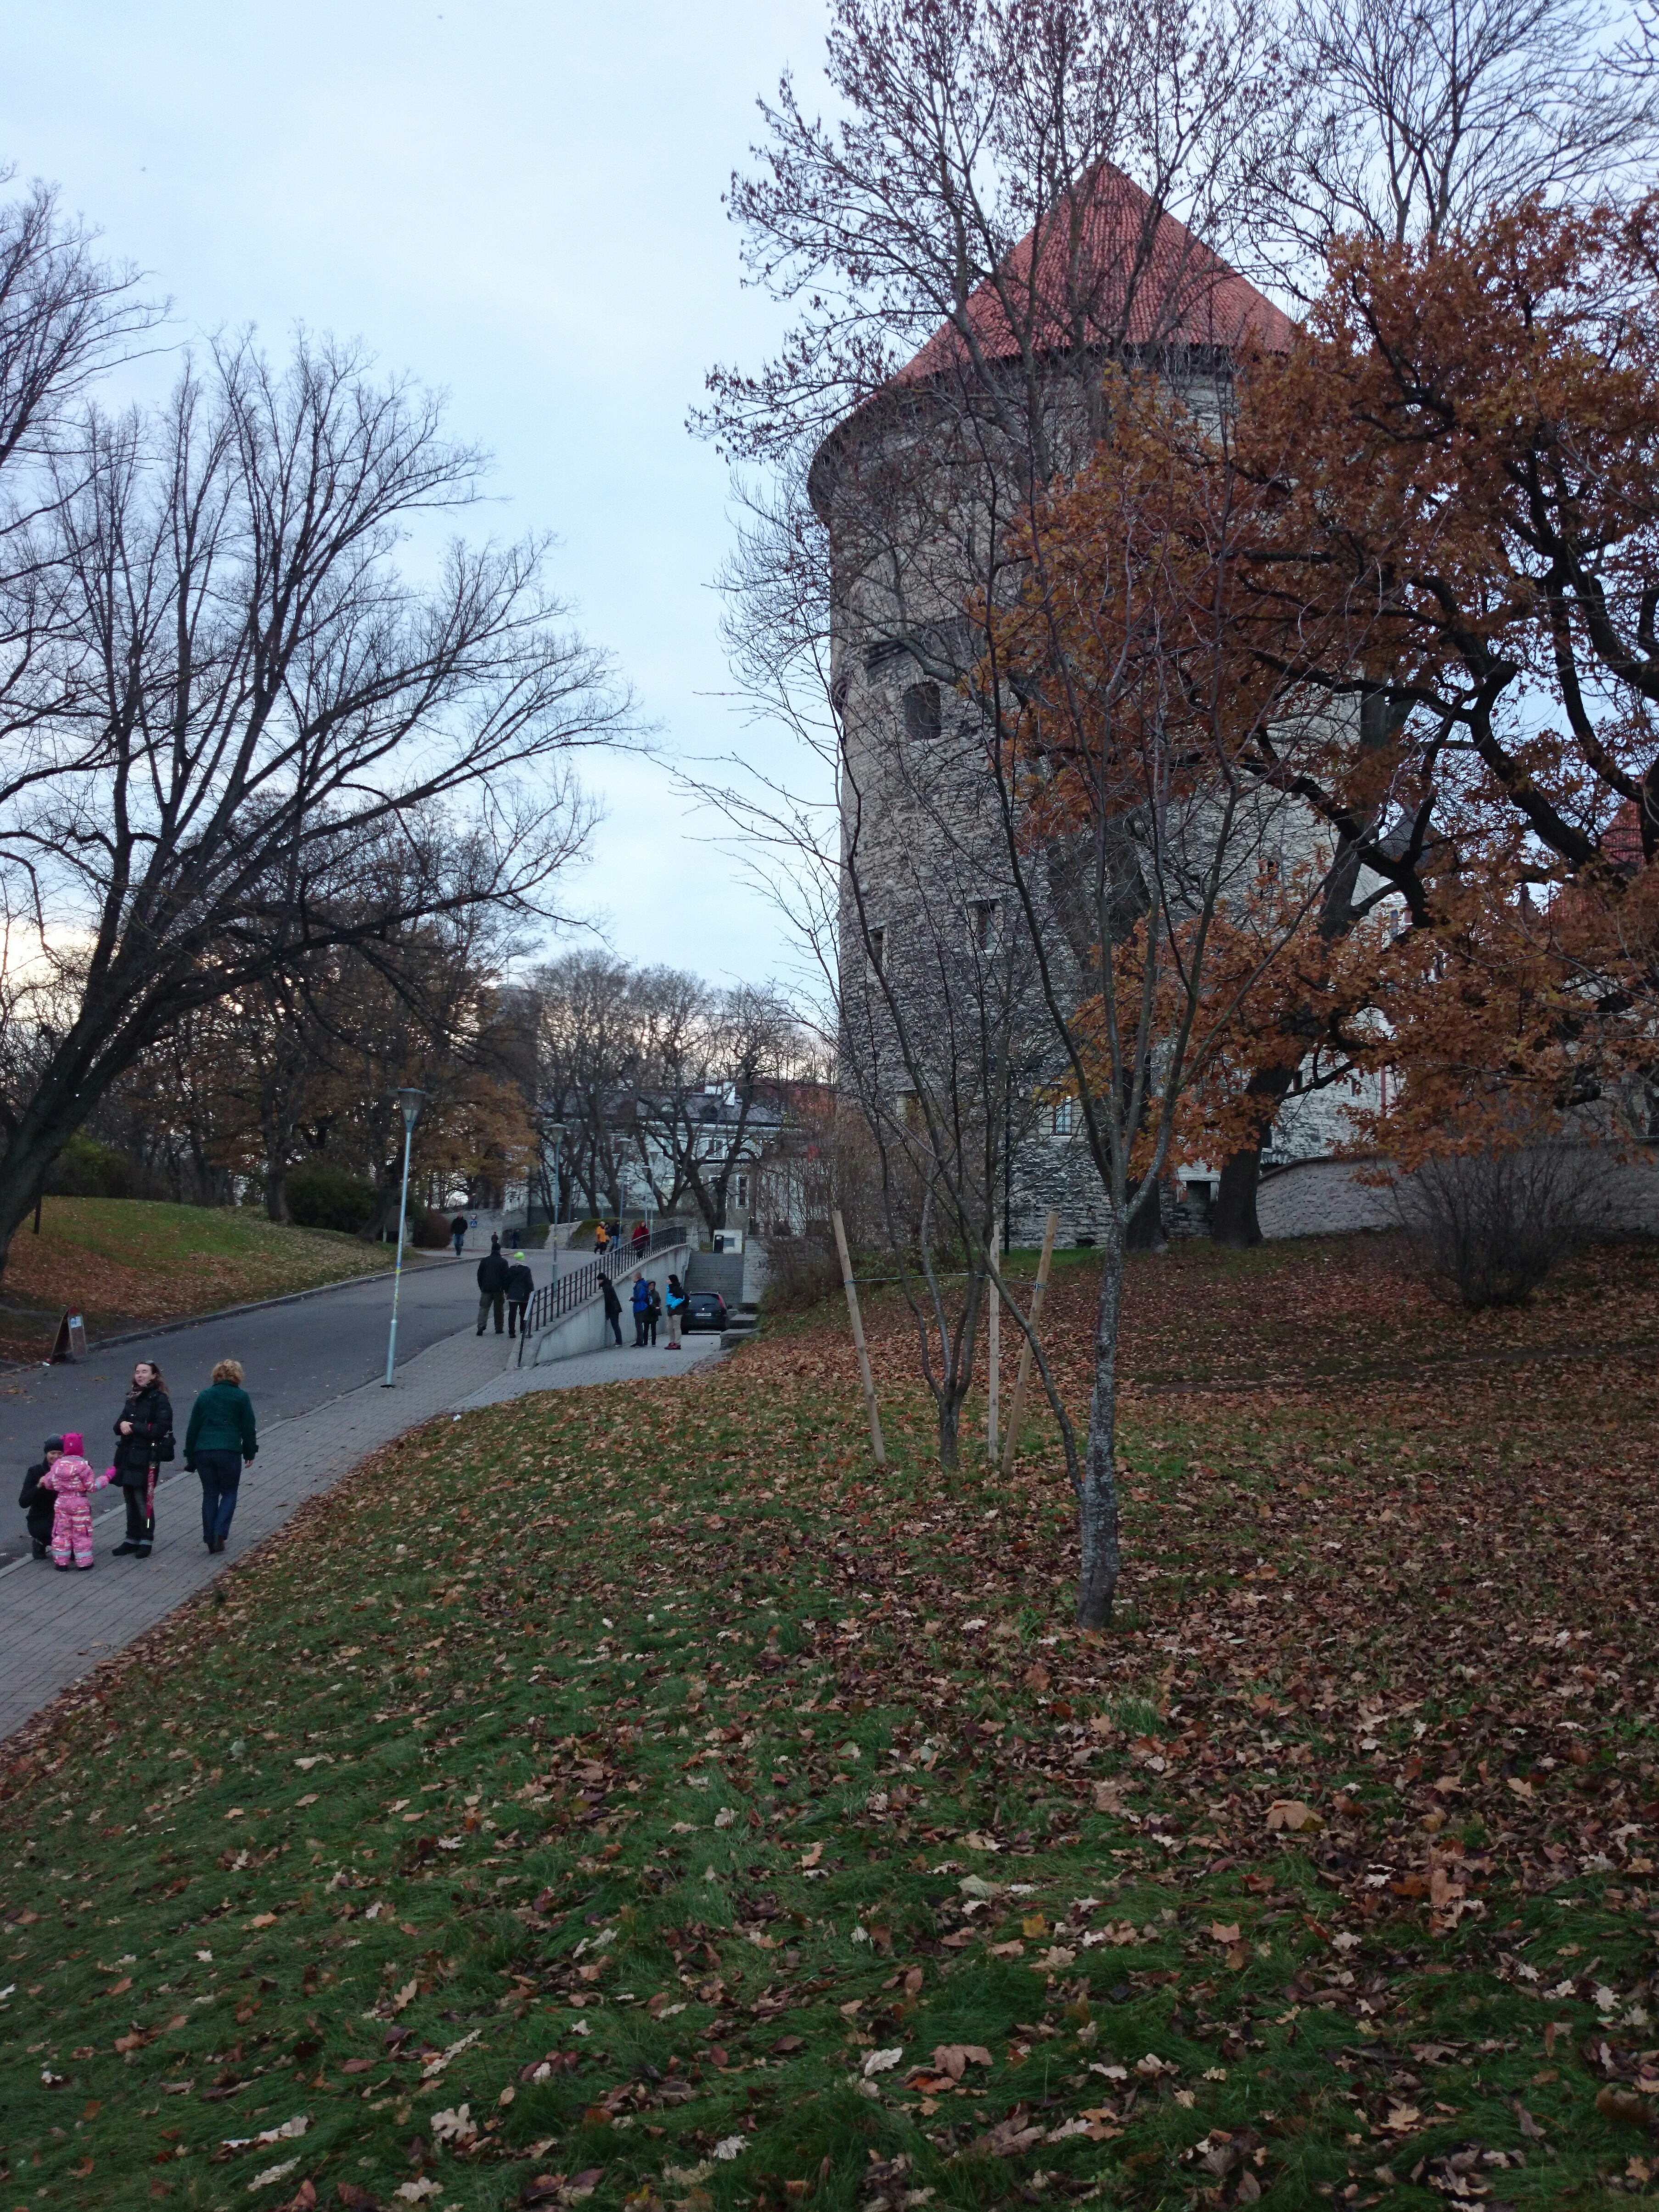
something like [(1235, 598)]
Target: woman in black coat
[(143, 1439)]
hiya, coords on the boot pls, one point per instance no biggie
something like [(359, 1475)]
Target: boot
[(124, 1551), (39, 1548), (141, 1551)]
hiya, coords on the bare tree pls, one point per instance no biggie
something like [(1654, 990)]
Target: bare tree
[(706, 1079), (66, 316), (238, 695), (1417, 120), (587, 1062)]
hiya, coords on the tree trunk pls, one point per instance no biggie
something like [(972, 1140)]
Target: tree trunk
[(1233, 1222), (1146, 1226), (1098, 1501), (52, 1115), (276, 1190)]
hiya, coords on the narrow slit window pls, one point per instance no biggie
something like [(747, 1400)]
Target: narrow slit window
[(923, 717), (1063, 1117), (878, 950)]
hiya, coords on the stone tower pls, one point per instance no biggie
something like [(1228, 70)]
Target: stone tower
[(941, 973)]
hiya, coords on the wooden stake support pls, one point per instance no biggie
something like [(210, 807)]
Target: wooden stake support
[(1017, 1411), (865, 1377), (995, 1386)]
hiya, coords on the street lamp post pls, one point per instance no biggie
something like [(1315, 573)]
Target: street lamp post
[(558, 1139), (411, 1101)]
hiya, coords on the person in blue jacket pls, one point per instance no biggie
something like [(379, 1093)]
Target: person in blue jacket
[(641, 1311)]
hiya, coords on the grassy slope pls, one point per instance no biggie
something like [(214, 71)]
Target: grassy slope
[(625, 1774), (128, 1262)]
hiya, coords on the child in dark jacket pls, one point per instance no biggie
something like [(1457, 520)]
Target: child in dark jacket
[(39, 1504)]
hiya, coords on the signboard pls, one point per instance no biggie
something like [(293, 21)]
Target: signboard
[(71, 1341)]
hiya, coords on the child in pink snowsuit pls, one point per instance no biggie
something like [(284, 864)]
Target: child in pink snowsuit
[(73, 1480)]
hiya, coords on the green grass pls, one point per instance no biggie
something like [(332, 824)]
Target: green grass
[(495, 1786), (130, 1261)]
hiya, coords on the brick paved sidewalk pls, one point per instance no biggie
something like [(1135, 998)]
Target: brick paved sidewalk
[(55, 1628)]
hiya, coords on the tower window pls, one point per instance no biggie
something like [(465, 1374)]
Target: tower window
[(983, 920), (1063, 1117), (878, 949), (922, 716)]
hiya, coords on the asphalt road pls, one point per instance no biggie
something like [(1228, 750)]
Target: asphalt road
[(297, 1357)]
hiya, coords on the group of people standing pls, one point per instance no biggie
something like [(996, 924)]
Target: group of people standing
[(505, 1283), (220, 1438), (650, 1306)]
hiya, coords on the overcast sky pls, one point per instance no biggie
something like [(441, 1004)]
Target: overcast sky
[(520, 202)]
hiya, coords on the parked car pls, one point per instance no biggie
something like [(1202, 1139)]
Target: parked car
[(705, 1310)]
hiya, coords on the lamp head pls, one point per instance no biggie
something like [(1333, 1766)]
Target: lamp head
[(411, 1101)]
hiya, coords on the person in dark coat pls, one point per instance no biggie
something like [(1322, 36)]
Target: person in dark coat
[(458, 1233), (143, 1439), (642, 1238), (652, 1311), (641, 1310), (521, 1289), (492, 1285), (38, 1504), (612, 1307), (221, 1437)]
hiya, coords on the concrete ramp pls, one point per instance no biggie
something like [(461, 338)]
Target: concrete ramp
[(584, 1329)]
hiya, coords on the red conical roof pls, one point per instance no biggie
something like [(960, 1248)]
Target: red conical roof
[(1134, 277)]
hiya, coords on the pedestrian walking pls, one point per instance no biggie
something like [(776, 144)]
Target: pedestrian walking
[(674, 1306), (71, 1480), (642, 1238), (601, 1238), (641, 1311), (40, 1505), (612, 1308), (458, 1233), (652, 1311), (492, 1285), (221, 1436), (143, 1439), (521, 1289)]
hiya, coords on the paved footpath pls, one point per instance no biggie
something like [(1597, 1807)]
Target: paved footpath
[(299, 1353), (54, 1628)]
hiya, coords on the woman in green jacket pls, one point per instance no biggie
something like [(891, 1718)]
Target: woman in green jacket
[(221, 1436)]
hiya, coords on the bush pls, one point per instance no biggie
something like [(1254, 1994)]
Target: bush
[(86, 1169), (428, 1231), (1488, 1229), (323, 1197)]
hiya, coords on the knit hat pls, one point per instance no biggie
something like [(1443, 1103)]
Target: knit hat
[(518, 1255), (74, 1444), (53, 1443)]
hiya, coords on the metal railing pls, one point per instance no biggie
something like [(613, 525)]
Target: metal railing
[(577, 1286)]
